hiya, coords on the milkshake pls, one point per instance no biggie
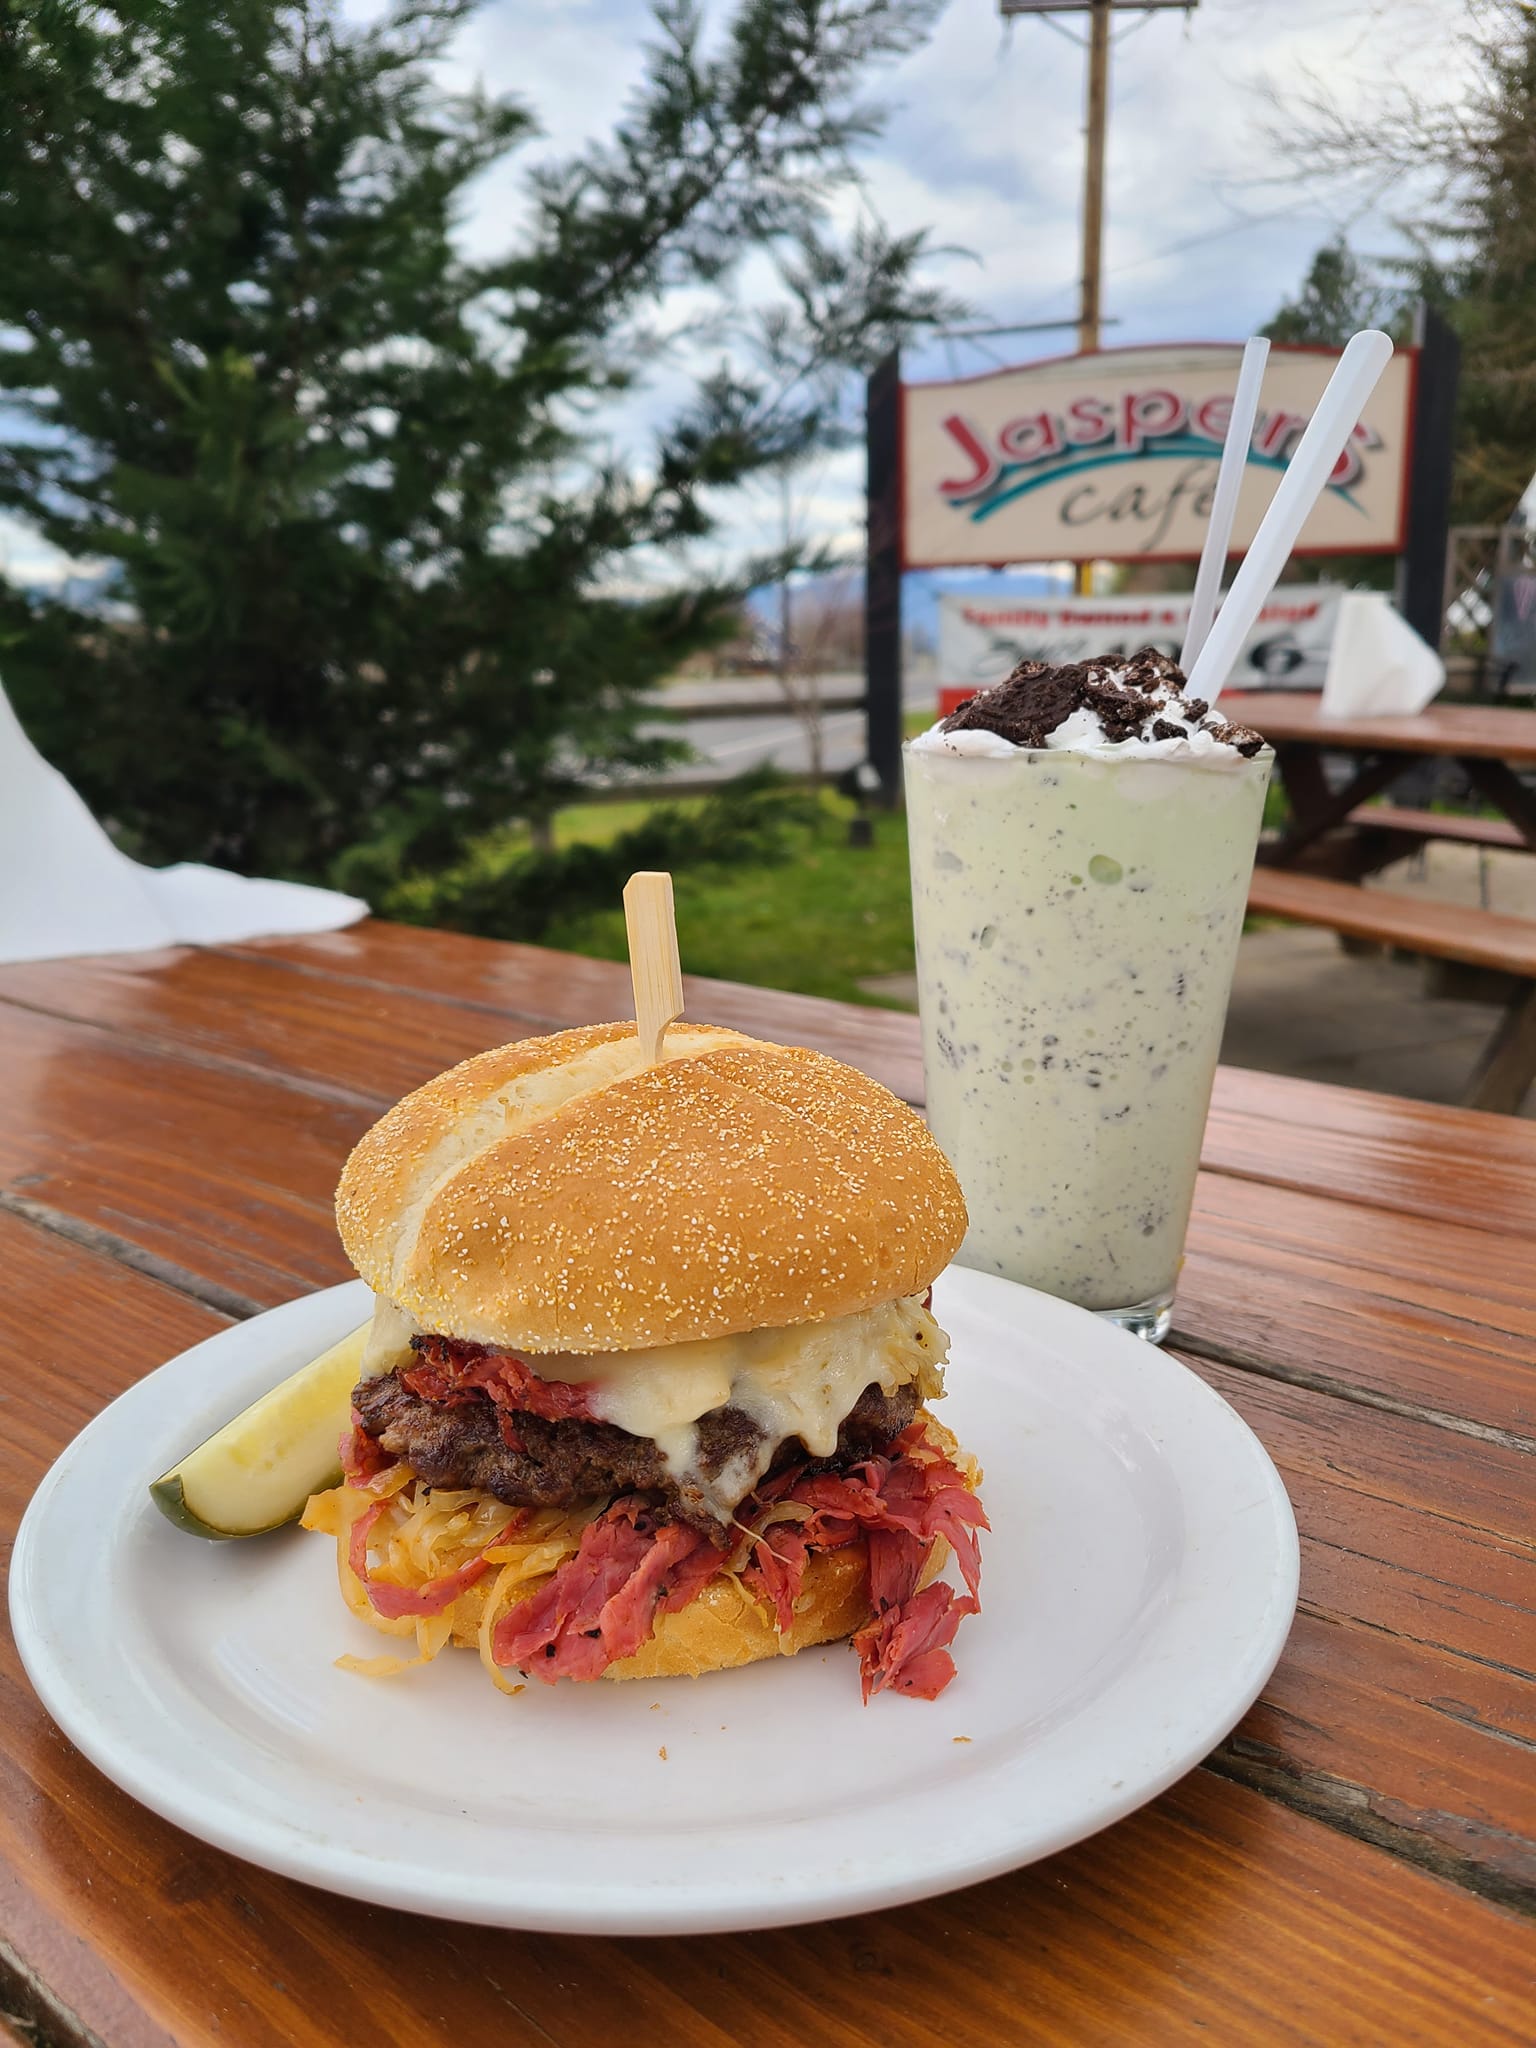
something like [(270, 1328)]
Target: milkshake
[(1082, 840)]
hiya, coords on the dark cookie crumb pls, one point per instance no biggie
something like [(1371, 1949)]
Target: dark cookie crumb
[(1150, 671), (1026, 708), (1036, 698), (1241, 737), (1124, 695)]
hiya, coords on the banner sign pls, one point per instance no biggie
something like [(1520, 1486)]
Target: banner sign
[(981, 641), (1113, 457)]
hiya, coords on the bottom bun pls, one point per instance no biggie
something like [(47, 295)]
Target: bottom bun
[(723, 1626)]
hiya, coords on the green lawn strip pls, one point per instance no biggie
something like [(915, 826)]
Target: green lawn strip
[(597, 824), (818, 923), (580, 824)]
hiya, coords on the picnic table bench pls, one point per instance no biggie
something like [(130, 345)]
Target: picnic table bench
[(1413, 828), (1312, 871), (1444, 931)]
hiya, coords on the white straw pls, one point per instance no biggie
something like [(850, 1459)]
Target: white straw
[(1229, 481), (1309, 469)]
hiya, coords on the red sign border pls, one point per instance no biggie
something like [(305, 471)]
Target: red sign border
[(1295, 348)]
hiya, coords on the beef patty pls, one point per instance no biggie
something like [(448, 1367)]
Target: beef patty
[(553, 1464)]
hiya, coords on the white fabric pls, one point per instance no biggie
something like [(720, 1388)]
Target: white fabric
[(65, 888), (1378, 666)]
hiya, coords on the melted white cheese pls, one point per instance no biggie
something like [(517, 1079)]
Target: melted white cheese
[(799, 1382), (388, 1342)]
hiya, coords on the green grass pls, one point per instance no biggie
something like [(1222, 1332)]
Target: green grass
[(582, 824), (597, 824), (829, 917)]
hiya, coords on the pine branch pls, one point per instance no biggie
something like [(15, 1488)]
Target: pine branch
[(355, 541)]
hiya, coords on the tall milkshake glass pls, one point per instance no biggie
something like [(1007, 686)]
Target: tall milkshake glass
[(1077, 911)]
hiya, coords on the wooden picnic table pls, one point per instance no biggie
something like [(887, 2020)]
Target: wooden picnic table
[(1337, 836), (1489, 742), (1355, 1864)]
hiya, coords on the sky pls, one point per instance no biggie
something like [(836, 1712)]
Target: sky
[(1209, 225)]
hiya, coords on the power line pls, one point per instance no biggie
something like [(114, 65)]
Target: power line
[(1013, 327), (1060, 28), (1248, 220), (1131, 27)]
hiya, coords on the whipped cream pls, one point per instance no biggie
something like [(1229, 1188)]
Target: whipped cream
[(1112, 710)]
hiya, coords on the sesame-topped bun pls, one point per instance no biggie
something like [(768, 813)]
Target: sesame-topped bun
[(558, 1195)]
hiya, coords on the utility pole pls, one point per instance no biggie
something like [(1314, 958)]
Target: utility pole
[(786, 538), (1096, 130), (1095, 134)]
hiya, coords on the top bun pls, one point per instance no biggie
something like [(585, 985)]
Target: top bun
[(558, 1195)]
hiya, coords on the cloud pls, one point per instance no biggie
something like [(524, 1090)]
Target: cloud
[(573, 63), (1209, 226), (30, 562)]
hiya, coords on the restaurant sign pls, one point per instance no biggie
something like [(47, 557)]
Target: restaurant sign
[(982, 638), (1113, 457)]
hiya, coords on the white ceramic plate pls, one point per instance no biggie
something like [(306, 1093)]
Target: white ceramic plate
[(1138, 1586)]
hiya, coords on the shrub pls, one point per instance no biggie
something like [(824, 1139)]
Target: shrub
[(498, 894)]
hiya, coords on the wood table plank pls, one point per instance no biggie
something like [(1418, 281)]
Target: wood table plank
[(222, 1160), (1213, 1914), (1217, 1913), (377, 1028), (1488, 731), (78, 1330), (565, 989), (404, 1003), (1432, 1319), (1404, 1708), (227, 1176), (238, 1015), (1383, 1151), (222, 1178), (1275, 1128)]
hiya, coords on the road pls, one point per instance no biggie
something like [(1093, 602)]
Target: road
[(729, 746)]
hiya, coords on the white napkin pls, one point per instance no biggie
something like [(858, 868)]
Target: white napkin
[(65, 888), (1377, 665)]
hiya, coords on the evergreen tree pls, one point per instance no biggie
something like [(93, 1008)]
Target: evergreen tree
[(356, 546), (1488, 287), (1337, 298), (1476, 245)]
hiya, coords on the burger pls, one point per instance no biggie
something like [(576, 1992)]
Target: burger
[(647, 1388)]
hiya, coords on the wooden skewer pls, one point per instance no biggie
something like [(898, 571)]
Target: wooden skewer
[(654, 967)]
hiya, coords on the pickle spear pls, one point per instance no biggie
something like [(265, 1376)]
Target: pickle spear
[(257, 1472)]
